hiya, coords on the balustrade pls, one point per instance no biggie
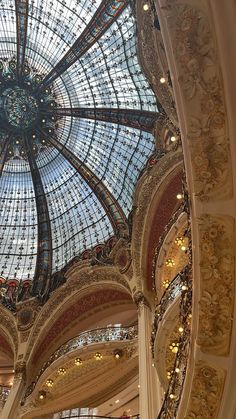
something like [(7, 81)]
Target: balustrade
[(181, 285)]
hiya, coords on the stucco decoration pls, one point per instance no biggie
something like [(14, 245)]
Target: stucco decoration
[(217, 283), (121, 257), (154, 64), (20, 372), (206, 392), (26, 313), (8, 325), (199, 76)]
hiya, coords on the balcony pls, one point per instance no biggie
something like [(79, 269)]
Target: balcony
[(75, 371)]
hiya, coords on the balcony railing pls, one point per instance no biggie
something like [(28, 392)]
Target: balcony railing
[(174, 392), (108, 334), (173, 291)]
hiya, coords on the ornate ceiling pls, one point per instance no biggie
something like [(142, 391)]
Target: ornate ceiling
[(77, 116)]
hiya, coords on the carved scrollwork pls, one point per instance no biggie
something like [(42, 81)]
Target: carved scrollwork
[(217, 283), (153, 60), (199, 76), (206, 392), (140, 300), (20, 372)]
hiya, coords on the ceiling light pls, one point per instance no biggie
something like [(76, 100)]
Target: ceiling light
[(162, 80), (145, 7), (42, 394), (170, 262), (173, 139), (49, 382), (98, 356), (117, 353), (179, 241), (61, 371), (78, 361), (179, 196)]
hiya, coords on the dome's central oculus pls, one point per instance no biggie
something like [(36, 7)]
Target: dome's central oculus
[(20, 107)]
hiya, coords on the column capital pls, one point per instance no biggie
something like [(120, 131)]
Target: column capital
[(20, 372), (140, 300)]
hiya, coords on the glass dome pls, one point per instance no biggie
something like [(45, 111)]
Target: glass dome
[(76, 121)]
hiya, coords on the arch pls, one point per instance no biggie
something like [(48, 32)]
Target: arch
[(158, 188), (83, 283), (9, 329)]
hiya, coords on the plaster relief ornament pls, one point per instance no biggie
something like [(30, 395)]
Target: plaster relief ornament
[(199, 75)]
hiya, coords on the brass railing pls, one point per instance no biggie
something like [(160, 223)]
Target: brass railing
[(173, 291), (175, 388)]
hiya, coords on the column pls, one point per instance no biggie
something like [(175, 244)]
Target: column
[(11, 407), (150, 392)]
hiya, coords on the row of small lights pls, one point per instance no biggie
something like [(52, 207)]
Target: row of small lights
[(174, 347), (78, 361), (162, 79), (180, 242)]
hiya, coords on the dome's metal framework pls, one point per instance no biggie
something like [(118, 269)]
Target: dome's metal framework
[(76, 122)]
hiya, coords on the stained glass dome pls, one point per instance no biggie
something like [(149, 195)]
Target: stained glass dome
[(76, 121)]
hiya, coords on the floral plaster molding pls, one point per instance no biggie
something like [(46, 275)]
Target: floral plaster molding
[(206, 392), (217, 283), (200, 79), (153, 60), (188, 29)]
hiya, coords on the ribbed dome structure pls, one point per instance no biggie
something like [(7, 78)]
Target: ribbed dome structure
[(76, 121)]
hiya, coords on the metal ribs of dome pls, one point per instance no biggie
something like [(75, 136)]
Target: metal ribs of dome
[(76, 124)]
